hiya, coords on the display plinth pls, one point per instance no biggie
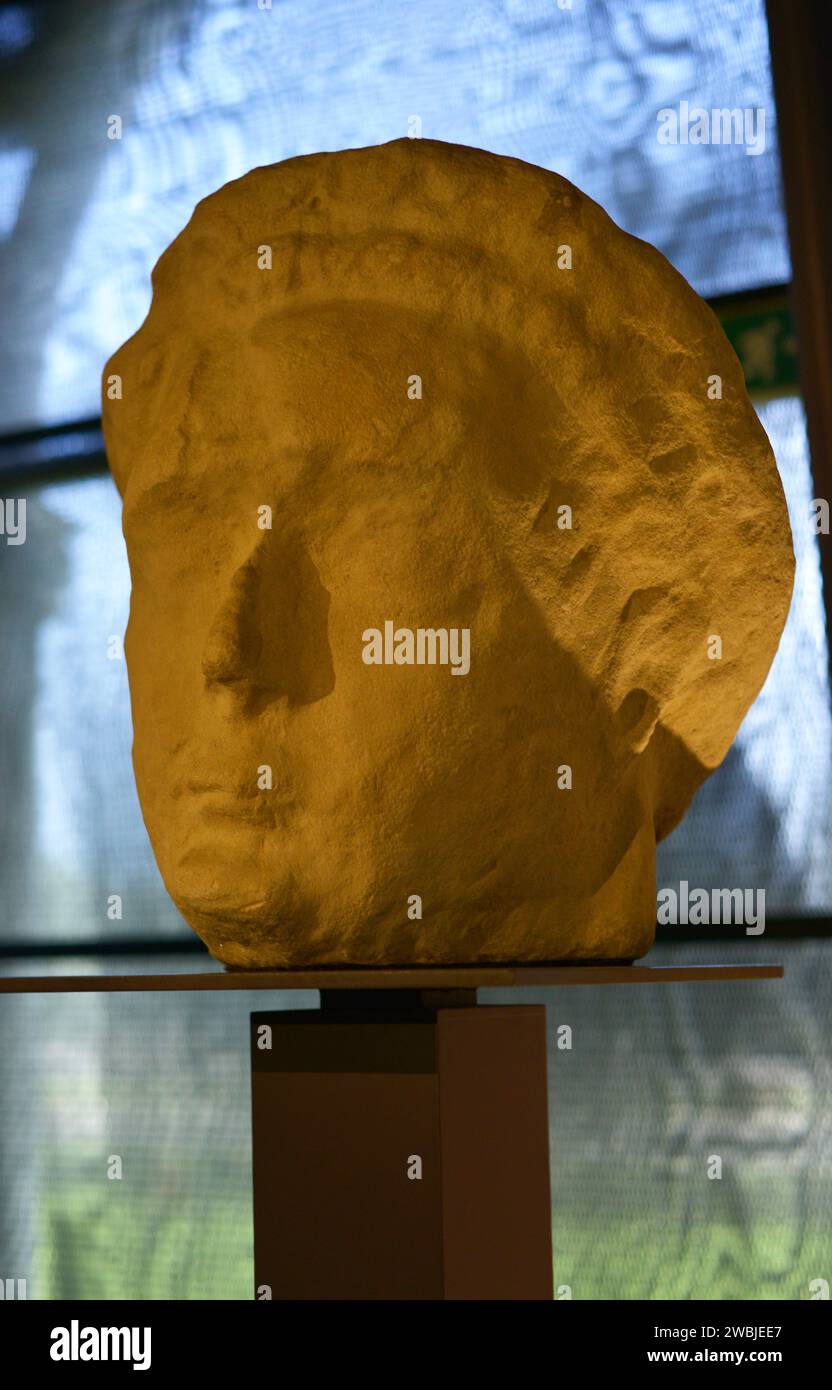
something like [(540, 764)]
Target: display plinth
[(402, 977), (400, 1132), (401, 1152)]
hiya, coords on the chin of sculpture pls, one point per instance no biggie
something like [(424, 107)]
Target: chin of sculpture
[(458, 554)]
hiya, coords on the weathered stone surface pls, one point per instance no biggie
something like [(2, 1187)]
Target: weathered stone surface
[(543, 387)]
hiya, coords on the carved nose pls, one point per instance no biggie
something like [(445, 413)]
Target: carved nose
[(232, 649), (268, 639)]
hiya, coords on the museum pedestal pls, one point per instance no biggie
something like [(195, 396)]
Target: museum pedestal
[(400, 1131), (400, 1150)]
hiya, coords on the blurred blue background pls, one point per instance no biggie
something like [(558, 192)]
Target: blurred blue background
[(209, 90)]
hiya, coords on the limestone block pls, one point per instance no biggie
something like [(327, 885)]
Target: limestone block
[(458, 554)]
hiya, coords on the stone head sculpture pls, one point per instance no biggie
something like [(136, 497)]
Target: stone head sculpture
[(458, 554)]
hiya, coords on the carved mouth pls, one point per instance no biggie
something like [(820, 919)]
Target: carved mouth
[(218, 801)]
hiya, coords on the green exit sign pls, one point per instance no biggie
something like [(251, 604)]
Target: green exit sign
[(762, 335)]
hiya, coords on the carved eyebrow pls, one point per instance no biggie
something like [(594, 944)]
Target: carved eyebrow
[(160, 490), (168, 487)]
